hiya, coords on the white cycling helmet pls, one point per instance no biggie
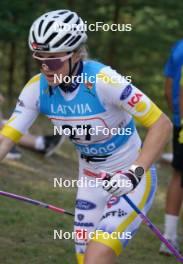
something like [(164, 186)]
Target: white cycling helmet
[(57, 31)]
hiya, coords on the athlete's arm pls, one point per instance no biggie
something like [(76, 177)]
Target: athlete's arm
[(24, 115), (156, 138), (168, 91), (5, 145), (127, 97)]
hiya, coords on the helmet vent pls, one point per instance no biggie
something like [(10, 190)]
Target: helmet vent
[(50, 37), (34, 36), (63, 12), (40, 26), (48, 26), (68, 18), (58, 43), (74, 41), (69, 41), (77, 22)]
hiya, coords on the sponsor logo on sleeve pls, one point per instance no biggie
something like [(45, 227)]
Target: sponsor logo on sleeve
[(126, 92), (135, 99), (141, 107), (84, 205), (140, 104)]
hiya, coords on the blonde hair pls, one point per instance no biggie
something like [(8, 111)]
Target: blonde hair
[(83, 51)]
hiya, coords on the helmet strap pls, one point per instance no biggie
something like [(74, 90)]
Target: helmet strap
[(72, 67)]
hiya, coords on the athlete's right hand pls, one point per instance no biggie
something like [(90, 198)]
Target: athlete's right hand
[(119, 183)]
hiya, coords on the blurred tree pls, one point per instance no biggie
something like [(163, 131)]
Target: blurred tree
[(11, 69), (27, 64), (114, 34)]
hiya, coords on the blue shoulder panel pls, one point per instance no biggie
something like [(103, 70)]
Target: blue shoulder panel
[(85, 103)]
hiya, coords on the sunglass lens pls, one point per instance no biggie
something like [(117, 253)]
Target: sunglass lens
[(51, 65)]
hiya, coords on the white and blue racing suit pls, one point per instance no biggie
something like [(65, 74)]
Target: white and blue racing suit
[(104, 102)]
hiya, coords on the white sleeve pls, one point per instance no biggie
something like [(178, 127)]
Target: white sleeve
[(113, 88), (25, 113)]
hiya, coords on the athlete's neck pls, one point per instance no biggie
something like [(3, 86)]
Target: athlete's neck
[(72, 86)]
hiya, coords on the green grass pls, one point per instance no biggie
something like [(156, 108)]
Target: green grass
[(26, 231)]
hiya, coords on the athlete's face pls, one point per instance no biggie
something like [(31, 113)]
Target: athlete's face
[(55, 66)]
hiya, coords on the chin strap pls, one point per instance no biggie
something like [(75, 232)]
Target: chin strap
[(64, 86), (71, 70)]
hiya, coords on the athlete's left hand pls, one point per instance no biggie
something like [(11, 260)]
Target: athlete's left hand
[(120, 183)]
